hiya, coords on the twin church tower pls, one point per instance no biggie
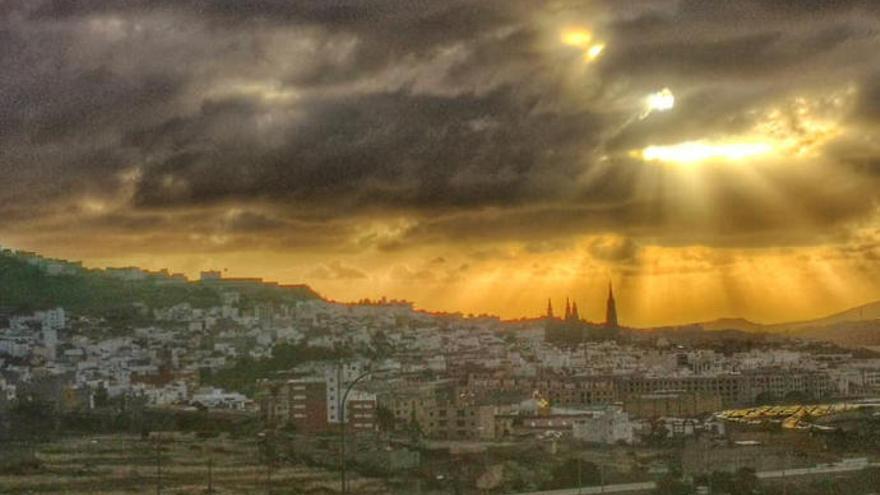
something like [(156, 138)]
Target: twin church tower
[(571, 310)]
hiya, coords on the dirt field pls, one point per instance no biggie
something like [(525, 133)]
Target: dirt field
[(125, 464)]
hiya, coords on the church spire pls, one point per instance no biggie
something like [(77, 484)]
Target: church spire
[(549, 309), (567, 309), (611, 309), (574, 311)]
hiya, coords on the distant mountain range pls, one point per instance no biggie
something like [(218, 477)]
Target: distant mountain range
[(859, 326)]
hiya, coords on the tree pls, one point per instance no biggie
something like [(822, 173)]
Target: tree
[(102, 398), (658, 434), (385, 418), (32, 420)]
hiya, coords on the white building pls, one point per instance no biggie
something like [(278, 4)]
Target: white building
[(217, 398), (338, 378), (50, 341), (55, 319), (608, 425), (15, 346)]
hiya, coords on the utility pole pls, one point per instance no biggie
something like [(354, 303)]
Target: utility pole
[(126, 457), (268, 477), (265, 453), (580, 477), (158, 465), (784, 467), (341, 409), (340, 417), (210, 474), (269, 459)]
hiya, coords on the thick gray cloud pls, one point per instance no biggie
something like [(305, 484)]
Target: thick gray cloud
[(256, 119), (380, 150)]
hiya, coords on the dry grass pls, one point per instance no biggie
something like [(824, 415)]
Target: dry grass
[(126, 464)]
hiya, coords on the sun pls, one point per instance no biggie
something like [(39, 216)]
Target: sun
[(585, 41), (660, 101)]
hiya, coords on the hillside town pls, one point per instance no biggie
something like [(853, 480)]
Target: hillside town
[(392, 375)]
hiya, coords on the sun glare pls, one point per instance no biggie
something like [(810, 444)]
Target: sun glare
[(577, 37), (595, 51), (661, 101), (268, 91), (798, 128), (585, 41), (702, 151)]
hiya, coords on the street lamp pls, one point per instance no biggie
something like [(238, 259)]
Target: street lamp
[(342, 421)]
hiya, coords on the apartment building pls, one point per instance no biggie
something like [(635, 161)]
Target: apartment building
[(301, 403)]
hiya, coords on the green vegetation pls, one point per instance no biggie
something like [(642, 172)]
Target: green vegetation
[(243, 376), (25, 288), (743, 482), (251, 296), (672, 485), (573, 473)]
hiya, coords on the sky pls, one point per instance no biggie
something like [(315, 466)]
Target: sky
[(711, 159)]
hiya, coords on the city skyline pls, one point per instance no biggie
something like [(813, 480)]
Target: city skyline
[(595, 313)]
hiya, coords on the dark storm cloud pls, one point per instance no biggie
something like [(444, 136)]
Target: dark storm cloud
[(734, 57), (814, 211), (742, 14), (868, 107), (785, 8), (395, 150), (408, 27), (467, 116)]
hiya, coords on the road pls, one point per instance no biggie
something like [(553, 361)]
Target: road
[(589, 490), (814, 470)]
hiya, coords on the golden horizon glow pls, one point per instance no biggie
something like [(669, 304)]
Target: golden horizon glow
[(663, 285)]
